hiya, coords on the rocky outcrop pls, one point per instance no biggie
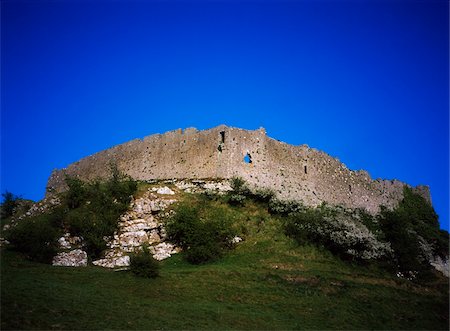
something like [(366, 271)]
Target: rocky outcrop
[(141, 226), (68, 242), (74, 258)]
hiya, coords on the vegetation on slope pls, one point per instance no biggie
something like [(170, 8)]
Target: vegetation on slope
[(90, 210), (204, 231), (268, 281)]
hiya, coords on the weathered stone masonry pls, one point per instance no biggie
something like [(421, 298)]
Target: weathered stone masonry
[(293, 172)]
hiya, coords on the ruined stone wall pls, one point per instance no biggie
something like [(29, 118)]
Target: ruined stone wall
[(293, 172)]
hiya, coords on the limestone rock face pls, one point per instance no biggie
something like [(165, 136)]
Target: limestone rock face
[(74, 258), (163, 251), (141, 226)]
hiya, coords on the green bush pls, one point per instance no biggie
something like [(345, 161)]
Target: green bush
[(203, 252), (9, 204), (263, 195), (236, 199), (412, 222), (285, 207), (77, 193), (424, 221), (239, 192), (88, 210), (404, 241), (36, 237), (94, 208), (239, 186), (203, 233), (143, 264)]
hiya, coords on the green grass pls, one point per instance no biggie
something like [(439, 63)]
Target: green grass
[(266, 282)]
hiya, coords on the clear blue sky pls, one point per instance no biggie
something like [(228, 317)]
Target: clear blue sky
[(364, 81)]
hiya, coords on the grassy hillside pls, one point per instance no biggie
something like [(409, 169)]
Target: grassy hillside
[(267, 281)]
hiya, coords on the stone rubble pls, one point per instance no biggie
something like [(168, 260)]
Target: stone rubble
[(113, 262), (200, 186), (41, 207), (163, 190), (33, 209), (67, 241), (74, 258), (236, 240), (163, 250)]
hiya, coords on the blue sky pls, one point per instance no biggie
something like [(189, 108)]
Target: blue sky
[(364, 81)]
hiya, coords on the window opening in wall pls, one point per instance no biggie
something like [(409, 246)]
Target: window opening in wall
[(306, 170), (350, 188), (222, 137), (219, 148), (248, 158)]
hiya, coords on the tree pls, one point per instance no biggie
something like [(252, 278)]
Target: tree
[(9, 204)]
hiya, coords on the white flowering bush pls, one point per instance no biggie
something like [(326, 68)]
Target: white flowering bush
[(337, 230), (355, 239)]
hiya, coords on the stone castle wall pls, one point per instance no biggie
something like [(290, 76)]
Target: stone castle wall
[(293, 172)]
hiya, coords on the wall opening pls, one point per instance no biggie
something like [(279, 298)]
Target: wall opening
[(219, 148), (222, 137), (248, 158), (350, 188), (306, 170)]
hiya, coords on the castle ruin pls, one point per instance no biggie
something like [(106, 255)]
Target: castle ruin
[(292, 172)]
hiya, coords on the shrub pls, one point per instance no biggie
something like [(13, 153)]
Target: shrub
[(340, 232), (203, 233), (9, 204), (143, 264), (239, 186), (36, 237), (404, 241), (209, 195), (263, 195), (239, 192), (413, 229), (203, 252), (94, 208), (285, 207), (236, 199), (89, 210), (77, 192)]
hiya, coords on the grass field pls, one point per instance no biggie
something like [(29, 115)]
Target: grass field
[(267, 282)]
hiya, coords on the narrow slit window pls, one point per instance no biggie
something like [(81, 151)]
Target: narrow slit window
[(222, 137), (306, 170)]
